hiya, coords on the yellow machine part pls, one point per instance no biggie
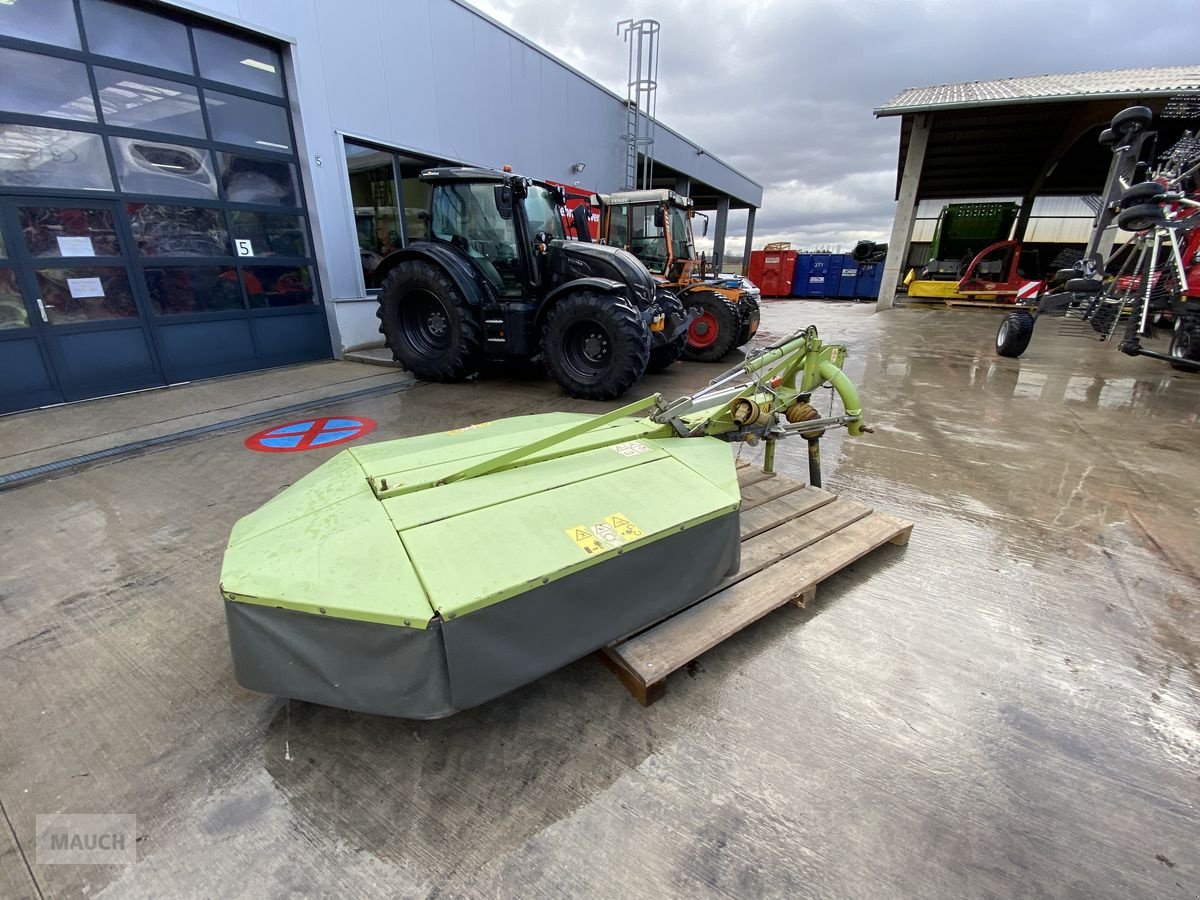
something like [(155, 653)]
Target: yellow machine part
[(938, 290)]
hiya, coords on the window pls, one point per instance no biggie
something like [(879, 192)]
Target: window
[(45, 86), (236, 61), (542, 213), (680, 245), (618, 230), (467, 216), (178, 230), (275, 286), (268, 234), (34, 157), (179, 290), (376, 206), (236, 120), (12, 307), (153, 104), (647, 241), (125, 32), (267, 182), (85, 294), (62, 231), (150, 167), (416, 205), (47, 21)]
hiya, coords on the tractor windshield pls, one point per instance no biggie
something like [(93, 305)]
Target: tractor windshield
[(681, 235), (466, 216), (647, 241), (542, 213)]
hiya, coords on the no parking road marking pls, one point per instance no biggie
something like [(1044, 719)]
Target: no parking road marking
[(309, 434)]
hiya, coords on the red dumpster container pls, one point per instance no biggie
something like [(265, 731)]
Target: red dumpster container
[(772, 270)]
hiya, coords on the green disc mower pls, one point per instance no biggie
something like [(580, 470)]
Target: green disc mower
[(426, 575)]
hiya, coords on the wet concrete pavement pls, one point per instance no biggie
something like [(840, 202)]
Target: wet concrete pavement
[(1008, 706)]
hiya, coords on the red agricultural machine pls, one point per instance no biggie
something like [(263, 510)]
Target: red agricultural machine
[(1153, 279)]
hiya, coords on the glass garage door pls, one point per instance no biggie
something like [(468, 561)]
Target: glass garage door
[(153, 223)]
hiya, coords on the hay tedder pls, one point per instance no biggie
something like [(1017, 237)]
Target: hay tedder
[(1150, 281), (422, 576)]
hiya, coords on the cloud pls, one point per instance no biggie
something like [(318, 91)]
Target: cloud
[(784, 90)]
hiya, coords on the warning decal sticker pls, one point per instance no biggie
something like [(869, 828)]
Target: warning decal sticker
[(614, 531)]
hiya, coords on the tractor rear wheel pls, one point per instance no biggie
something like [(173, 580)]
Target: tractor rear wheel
[(715, 332), (427, 323), (1014, 334), (665, 354), (595, 346)]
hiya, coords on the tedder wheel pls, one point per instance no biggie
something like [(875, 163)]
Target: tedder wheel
[(1128, 120), (1141, 217), (715, 332), (665, 354), (1185, 347), (427, 323), (595, 346), (1014, 333), (1146, 192)]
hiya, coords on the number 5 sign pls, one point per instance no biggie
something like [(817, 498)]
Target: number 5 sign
[(244, 247)]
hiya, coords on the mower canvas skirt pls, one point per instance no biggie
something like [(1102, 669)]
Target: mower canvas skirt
[(380, 583)]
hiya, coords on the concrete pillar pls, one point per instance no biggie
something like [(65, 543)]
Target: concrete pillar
[(719, 234), (906, 208), (749, 240), (683, 186)]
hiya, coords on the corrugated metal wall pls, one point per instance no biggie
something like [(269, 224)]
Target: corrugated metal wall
[(1055, 220)]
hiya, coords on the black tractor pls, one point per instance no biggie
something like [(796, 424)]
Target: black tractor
[(493, 277)]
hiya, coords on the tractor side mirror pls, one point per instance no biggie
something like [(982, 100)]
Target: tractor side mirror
[(660, 217), (504, 201), (704, 230)]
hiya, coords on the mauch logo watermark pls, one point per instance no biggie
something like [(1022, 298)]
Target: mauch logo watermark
[(83, 839)]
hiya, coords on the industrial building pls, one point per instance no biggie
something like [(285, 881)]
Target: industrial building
[(190, 190)]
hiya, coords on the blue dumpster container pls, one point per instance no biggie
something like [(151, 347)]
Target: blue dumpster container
[(818, 281), (869, 276), (800, 274), (848, 271)]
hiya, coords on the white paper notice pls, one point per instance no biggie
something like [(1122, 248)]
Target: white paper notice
[(244, 247), (85, 287), (75, 246)]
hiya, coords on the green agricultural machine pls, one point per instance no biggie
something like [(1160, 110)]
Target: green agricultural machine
[(422, 576)]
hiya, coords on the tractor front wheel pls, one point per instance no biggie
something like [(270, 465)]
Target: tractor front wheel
[(714, 332), (427, 323), (595, 346), (1014, 333)]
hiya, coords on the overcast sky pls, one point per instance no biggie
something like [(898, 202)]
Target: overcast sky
[(783, 89)]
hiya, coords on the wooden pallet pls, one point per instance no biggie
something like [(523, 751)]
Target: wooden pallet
[(793, 538)]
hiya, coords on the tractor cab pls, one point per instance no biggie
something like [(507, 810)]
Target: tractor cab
[(656, 227), (503, 224)]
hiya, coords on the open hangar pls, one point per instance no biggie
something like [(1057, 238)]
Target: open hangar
[(1020, 138), (242, 164)]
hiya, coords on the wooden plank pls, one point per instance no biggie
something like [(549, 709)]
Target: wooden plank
[(645, 694), (749, 476), (758, 494), (782, 509), (788, 538), (654, 654)]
